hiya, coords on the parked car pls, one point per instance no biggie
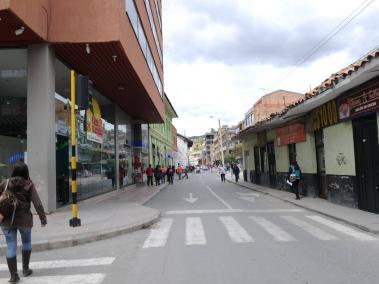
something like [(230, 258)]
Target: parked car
[(197, 170)]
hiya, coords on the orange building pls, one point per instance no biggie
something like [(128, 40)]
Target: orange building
[(273, 102), (116, 44)]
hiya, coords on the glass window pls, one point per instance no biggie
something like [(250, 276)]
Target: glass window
[(95, 140), (125, 155), (158, 14), (153, 29), (140, 34), (13, 109)]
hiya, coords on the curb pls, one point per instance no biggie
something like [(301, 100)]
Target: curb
[(72, 241), (361, 227), (147, 199)]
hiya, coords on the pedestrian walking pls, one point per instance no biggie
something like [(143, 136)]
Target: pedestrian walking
[(236, 171), (22, 188), (222, 173), (170, 175), (294, 176), (186, 169), (180, 171), (157, 175), (163, 177), (149, 173)]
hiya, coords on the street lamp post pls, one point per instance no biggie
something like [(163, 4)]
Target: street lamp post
[(220, 135)]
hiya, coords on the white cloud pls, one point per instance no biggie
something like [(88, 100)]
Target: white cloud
[(219, 57)]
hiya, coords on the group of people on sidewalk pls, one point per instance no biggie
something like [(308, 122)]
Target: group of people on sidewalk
[(161, 172)]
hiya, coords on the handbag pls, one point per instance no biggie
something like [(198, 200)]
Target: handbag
[(8, 203)]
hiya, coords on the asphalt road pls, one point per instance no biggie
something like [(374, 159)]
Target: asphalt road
[(213, 232)]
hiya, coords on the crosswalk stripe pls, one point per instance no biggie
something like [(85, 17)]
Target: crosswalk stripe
[(272, 229), (236, 232), (65, 263), (343, 229), (194, 231), (95, 278), (158, 234), (316, 232)]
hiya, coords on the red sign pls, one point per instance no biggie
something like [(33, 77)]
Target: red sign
[(359, 103), (290, 134)]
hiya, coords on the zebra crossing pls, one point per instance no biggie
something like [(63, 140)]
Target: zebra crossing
[(316, 226), (41, 267)]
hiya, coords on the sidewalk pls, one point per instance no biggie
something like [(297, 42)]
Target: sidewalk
[(361, 219), (102, 217)]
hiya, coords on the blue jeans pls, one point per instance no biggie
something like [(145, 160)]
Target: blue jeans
[(11, 239)]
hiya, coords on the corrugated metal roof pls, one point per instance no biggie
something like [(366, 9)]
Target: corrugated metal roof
[(327, 84)]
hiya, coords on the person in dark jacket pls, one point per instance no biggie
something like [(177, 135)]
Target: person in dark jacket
[(294, 176), (23, 189), (236, 172), (157, 175)]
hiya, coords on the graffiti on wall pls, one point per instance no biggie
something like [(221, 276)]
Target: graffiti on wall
[(341, 159)]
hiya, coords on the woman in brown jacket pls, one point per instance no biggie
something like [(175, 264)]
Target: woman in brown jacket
[(23, 188)]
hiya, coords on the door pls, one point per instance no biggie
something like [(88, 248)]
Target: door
[(320, 155), (257, 166), (271, 163), (62, 169), (366, 162)]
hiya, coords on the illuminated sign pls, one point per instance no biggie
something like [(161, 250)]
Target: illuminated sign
[(95, 131)]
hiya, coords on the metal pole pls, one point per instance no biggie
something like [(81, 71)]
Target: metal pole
[(222, 150), (75, 221)]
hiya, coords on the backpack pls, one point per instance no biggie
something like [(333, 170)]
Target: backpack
[(171, 171)]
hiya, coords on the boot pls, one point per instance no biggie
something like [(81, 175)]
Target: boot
[(25, 263), (12, 266)]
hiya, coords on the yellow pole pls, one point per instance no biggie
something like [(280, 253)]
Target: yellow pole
[(75, 221)]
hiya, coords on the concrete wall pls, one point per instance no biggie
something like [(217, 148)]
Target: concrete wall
[(339, 149), (248, 145), (281, 157), (306, 155)]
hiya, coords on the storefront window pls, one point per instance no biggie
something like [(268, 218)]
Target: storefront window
[(13, 109), (125, 155), (96, 165)]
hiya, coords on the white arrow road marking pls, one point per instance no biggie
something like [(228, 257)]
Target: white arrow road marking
[(219, 198), (65, 263), (318, 233), (191, 199), (95, 278), (278, 233), (343, 229), (194, 231), (158, 234), (236, 232)]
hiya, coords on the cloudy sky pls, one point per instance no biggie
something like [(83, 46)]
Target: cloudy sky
[(221, 56)]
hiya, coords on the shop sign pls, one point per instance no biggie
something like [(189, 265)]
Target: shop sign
[(359, 104), (325, 115), (95, 131), (290, 134)]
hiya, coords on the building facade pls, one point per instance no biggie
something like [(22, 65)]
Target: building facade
[(118, 46), (333, 135), (196, 156), (184, 144), (162, 138), (271, 103)]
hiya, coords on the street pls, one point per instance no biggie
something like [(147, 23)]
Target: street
[(213, 232)]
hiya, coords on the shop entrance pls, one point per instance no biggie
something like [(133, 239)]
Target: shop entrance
[(367, 162), (320, 155), (257, 166), (271, 163), (62, 168)]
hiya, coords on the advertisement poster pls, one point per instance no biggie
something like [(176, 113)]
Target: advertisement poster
[(358, 104), (94, 123)]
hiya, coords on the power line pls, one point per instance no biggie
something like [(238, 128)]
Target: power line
[(352, 15)]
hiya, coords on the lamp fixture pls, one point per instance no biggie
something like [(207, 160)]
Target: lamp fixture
[(120, 87), (88, 48), (114, 58), (19, 31)]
